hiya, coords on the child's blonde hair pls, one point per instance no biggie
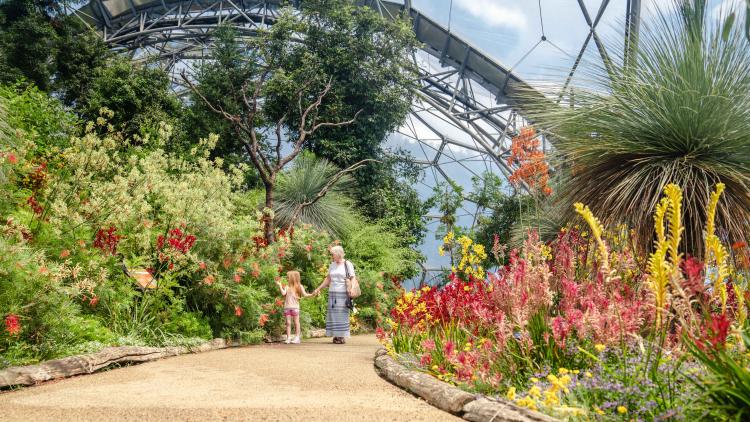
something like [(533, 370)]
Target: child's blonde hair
[(295, 282)]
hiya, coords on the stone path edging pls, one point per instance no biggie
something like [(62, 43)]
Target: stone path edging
[(452, 399), (92, 362)]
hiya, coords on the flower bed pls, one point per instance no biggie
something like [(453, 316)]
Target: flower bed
[(580, 328)]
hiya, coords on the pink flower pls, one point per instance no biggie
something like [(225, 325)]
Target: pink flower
[(12, 158), (202, 265), (449, 349), (237, 311), (308, 248), (428, 344), (237, 278)]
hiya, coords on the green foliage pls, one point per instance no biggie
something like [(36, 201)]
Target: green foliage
[(46, 123), (140, 97), (50, 322), (675, 114), (220, 83), (725, 386), (301, 184)]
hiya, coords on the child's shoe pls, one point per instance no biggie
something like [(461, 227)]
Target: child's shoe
[(296, 340), (288, 340)]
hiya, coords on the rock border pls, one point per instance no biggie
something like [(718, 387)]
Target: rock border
[(444, 396), (18, 376)]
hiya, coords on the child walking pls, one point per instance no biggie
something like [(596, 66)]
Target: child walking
[(292, 293)]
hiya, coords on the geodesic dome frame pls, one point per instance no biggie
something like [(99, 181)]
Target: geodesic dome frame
[(464, 114)]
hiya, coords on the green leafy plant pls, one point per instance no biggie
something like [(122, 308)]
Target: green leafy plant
[(675, 113)]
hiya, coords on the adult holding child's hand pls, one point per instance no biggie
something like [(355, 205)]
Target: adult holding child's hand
[(339, 300)]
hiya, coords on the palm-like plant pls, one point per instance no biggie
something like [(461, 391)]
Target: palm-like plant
[(302, 183), (678, 113)]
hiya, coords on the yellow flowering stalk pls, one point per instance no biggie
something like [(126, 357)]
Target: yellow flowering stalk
[(596, 231), (664, 262), (716, 253)]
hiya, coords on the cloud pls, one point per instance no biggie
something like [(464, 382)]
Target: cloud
[(495, 14)]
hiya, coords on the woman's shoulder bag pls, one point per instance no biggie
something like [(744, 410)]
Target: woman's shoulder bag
[(352, 284)]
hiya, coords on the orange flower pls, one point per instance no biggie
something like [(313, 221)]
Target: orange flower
[(237, 278), (237, 311), (12, 158), (209, 280), (739, 245), (65, 253), (262, 320), (202, 265)]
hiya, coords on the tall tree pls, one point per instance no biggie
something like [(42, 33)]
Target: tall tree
[(307, 79), (366, 58)]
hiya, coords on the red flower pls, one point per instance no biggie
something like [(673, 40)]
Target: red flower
[(237, 278), (262, 320), (12, 325), (425, 360), (380, 334), (34, 205), (237, 311), (94, 300), (279, 302), (65, 253), (202, 265), (449, 349), (308, 248), (739, 245), (12, 158), (717, 330), (107, 240)]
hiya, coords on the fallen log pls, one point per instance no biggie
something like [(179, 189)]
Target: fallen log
[(451, 399), (89, 363)]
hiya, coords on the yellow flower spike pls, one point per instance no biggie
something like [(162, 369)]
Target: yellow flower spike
[(596, 231), (511, 394), (534, 379), (535, 392), (712, 206), (622, 410), (562, 371), (588, 374), (598, 411), (674, 214), (661, 211), (741, 315), (435, 368), (600, 347)]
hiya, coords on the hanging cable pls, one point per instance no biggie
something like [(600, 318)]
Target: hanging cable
[(541, 19), (450, 16)]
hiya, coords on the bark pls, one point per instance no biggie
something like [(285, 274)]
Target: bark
[(87, 364), (268, 223)]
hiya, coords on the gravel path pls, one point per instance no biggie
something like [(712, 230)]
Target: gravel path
[(314, 380)]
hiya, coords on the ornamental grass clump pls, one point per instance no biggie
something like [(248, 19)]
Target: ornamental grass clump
[(675, 113)]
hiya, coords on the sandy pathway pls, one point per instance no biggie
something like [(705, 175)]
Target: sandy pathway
[(312, 381)]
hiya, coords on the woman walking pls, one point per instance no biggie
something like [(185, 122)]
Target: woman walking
[(337, 318)]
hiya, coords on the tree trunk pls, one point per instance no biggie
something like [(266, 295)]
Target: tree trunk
[(268, 223)]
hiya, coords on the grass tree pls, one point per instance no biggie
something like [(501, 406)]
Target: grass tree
[(677, 113), (314, 192)]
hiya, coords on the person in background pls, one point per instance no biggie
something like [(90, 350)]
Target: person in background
[(292, 293), (337, 317)]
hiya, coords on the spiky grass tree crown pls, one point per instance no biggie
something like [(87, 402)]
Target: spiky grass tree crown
[(680, 113), (309, 175)]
